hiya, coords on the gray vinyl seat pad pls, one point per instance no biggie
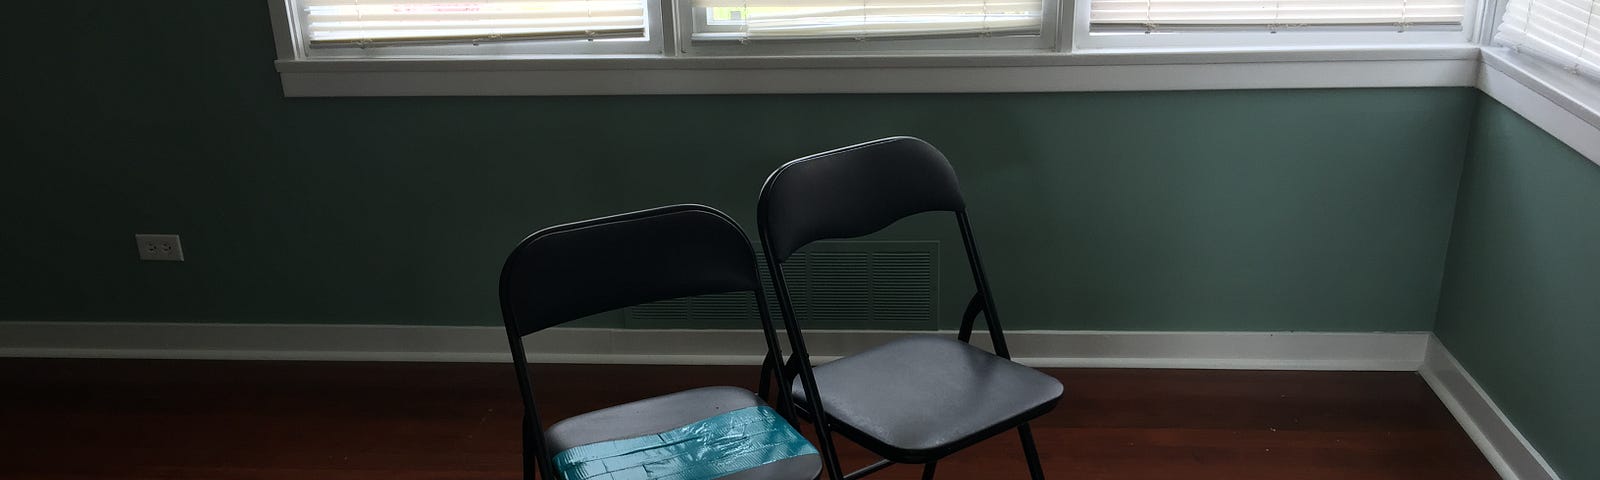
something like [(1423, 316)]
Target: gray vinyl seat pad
[(921, 394), (667, 412)]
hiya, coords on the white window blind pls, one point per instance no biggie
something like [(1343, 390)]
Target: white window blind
[(865, 19), (1270, 15), (1564, 31), (343, 22)]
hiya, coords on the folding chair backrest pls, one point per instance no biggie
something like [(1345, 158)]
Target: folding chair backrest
[(571, 271), (851, 192), (566, 272), (854, 191)]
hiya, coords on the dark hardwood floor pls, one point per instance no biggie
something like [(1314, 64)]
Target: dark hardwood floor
[(104, 419)]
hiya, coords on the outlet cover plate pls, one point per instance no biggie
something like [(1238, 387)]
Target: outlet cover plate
[(159, 247)]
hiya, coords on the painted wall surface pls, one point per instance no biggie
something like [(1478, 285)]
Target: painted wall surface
[(1521, 302), (1322, 210)]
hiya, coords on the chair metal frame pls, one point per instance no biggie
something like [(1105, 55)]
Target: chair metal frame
[(536, 457), (799, 364)]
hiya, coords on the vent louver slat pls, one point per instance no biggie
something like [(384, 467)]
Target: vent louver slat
[(894, 288), (839, 287)]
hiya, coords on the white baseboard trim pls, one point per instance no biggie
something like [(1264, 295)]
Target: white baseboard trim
[(1505, 447), (217, 341)]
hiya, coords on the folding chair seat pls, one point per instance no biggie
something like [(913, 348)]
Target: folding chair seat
[(884, 396)]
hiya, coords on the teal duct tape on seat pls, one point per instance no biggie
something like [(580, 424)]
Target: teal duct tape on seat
[(731, 442)]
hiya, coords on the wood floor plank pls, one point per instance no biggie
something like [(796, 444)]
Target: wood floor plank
[(64, 419)]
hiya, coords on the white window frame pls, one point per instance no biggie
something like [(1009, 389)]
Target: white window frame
[(1560, 103), (929, 66), (1563, 104)]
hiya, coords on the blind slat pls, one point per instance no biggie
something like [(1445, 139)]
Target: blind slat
[(1154, 14), (331, 22), (860, 19)]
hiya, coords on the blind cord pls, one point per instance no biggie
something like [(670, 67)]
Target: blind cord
[(744, 9), (1577, 63), (1527, 25), (863, 36), (1277, 17), (1149, 23), (1404, 22), (364, 42), (588, 9), (985, 25)]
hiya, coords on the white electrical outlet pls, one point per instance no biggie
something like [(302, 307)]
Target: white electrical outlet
[(159, 247)]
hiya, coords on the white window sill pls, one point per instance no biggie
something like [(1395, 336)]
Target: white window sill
[(1560, 103), (1563, 104), (1100, 70)]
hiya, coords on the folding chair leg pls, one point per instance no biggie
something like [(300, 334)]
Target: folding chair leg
[(763, 388), (1035, 470), (530, 457), (927, 470)]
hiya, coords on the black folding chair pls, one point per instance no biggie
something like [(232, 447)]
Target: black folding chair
[(919, 398), (570, 271)]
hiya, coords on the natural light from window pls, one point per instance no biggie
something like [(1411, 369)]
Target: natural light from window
[(378, 22)]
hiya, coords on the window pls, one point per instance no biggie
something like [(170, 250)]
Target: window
[(332, 28), (1566, 32), (884, 22), (1270, 15), (1270, 22), (413, 28)]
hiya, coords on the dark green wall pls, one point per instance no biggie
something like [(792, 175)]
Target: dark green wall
[(1225, 210), (1234, 210), (1521, 302)]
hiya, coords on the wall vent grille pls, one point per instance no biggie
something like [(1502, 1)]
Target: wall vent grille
[(834, 285)]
